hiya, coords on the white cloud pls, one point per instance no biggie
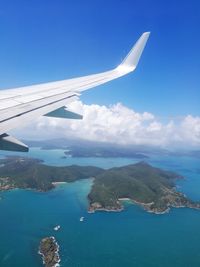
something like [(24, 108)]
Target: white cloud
[(117, 124)]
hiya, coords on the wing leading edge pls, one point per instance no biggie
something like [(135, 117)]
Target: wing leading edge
[(20, 105)]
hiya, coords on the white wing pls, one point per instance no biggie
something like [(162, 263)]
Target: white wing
[(20, 105)]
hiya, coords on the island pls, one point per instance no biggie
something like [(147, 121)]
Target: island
[(151, 188), (29, 173), (103, 152), (142, 184), (49, 250), (84, 148)]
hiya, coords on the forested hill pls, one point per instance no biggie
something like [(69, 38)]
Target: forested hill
[(32, 173)]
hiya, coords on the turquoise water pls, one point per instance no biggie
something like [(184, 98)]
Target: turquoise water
[(131, 238)]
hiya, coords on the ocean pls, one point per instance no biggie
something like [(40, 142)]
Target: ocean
[(131, 238)]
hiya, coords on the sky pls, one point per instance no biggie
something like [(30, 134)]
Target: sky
[(44, 41)]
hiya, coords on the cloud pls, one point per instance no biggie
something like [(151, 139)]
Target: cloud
[(118, 124)]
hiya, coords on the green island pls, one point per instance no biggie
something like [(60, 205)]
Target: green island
[(152, 188), (49, 250), (28, 173)]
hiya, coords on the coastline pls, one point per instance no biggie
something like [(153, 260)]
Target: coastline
[(93, 207), (92, 210)]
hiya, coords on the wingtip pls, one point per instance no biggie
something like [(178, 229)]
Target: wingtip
[(131, 60), (147, 33)]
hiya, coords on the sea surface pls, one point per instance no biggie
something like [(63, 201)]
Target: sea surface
[(132, 238)]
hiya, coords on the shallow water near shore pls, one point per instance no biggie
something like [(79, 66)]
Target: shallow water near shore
[(129, 238)]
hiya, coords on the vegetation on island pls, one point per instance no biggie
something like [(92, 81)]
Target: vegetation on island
[(145, 185), (152, 188), (18, 172), (49, 250)]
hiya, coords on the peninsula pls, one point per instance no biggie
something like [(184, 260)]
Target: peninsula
[(152, 188)]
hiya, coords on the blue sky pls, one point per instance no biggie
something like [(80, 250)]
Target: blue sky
[(51, 40)]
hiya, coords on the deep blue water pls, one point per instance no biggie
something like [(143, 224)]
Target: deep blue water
[(132, 238)]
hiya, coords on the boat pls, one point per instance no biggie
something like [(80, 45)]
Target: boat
[(56, 228), (81, 219)]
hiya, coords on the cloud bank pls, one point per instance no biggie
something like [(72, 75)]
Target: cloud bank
[(118, 124)]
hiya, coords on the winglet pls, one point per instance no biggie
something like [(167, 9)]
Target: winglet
[(131, 60)]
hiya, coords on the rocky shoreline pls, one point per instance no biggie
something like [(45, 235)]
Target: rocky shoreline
[(98, 207), (178, 200), (49, 249), (6, 184)]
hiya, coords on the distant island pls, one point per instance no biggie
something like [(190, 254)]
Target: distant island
[(49, 250), (152, 188), (103, 152), (85, 149)]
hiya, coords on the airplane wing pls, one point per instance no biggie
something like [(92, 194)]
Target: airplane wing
[(21, 105)]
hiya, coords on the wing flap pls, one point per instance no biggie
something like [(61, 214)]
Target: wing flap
[(64, 113), (28, 115), (8, 142)]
